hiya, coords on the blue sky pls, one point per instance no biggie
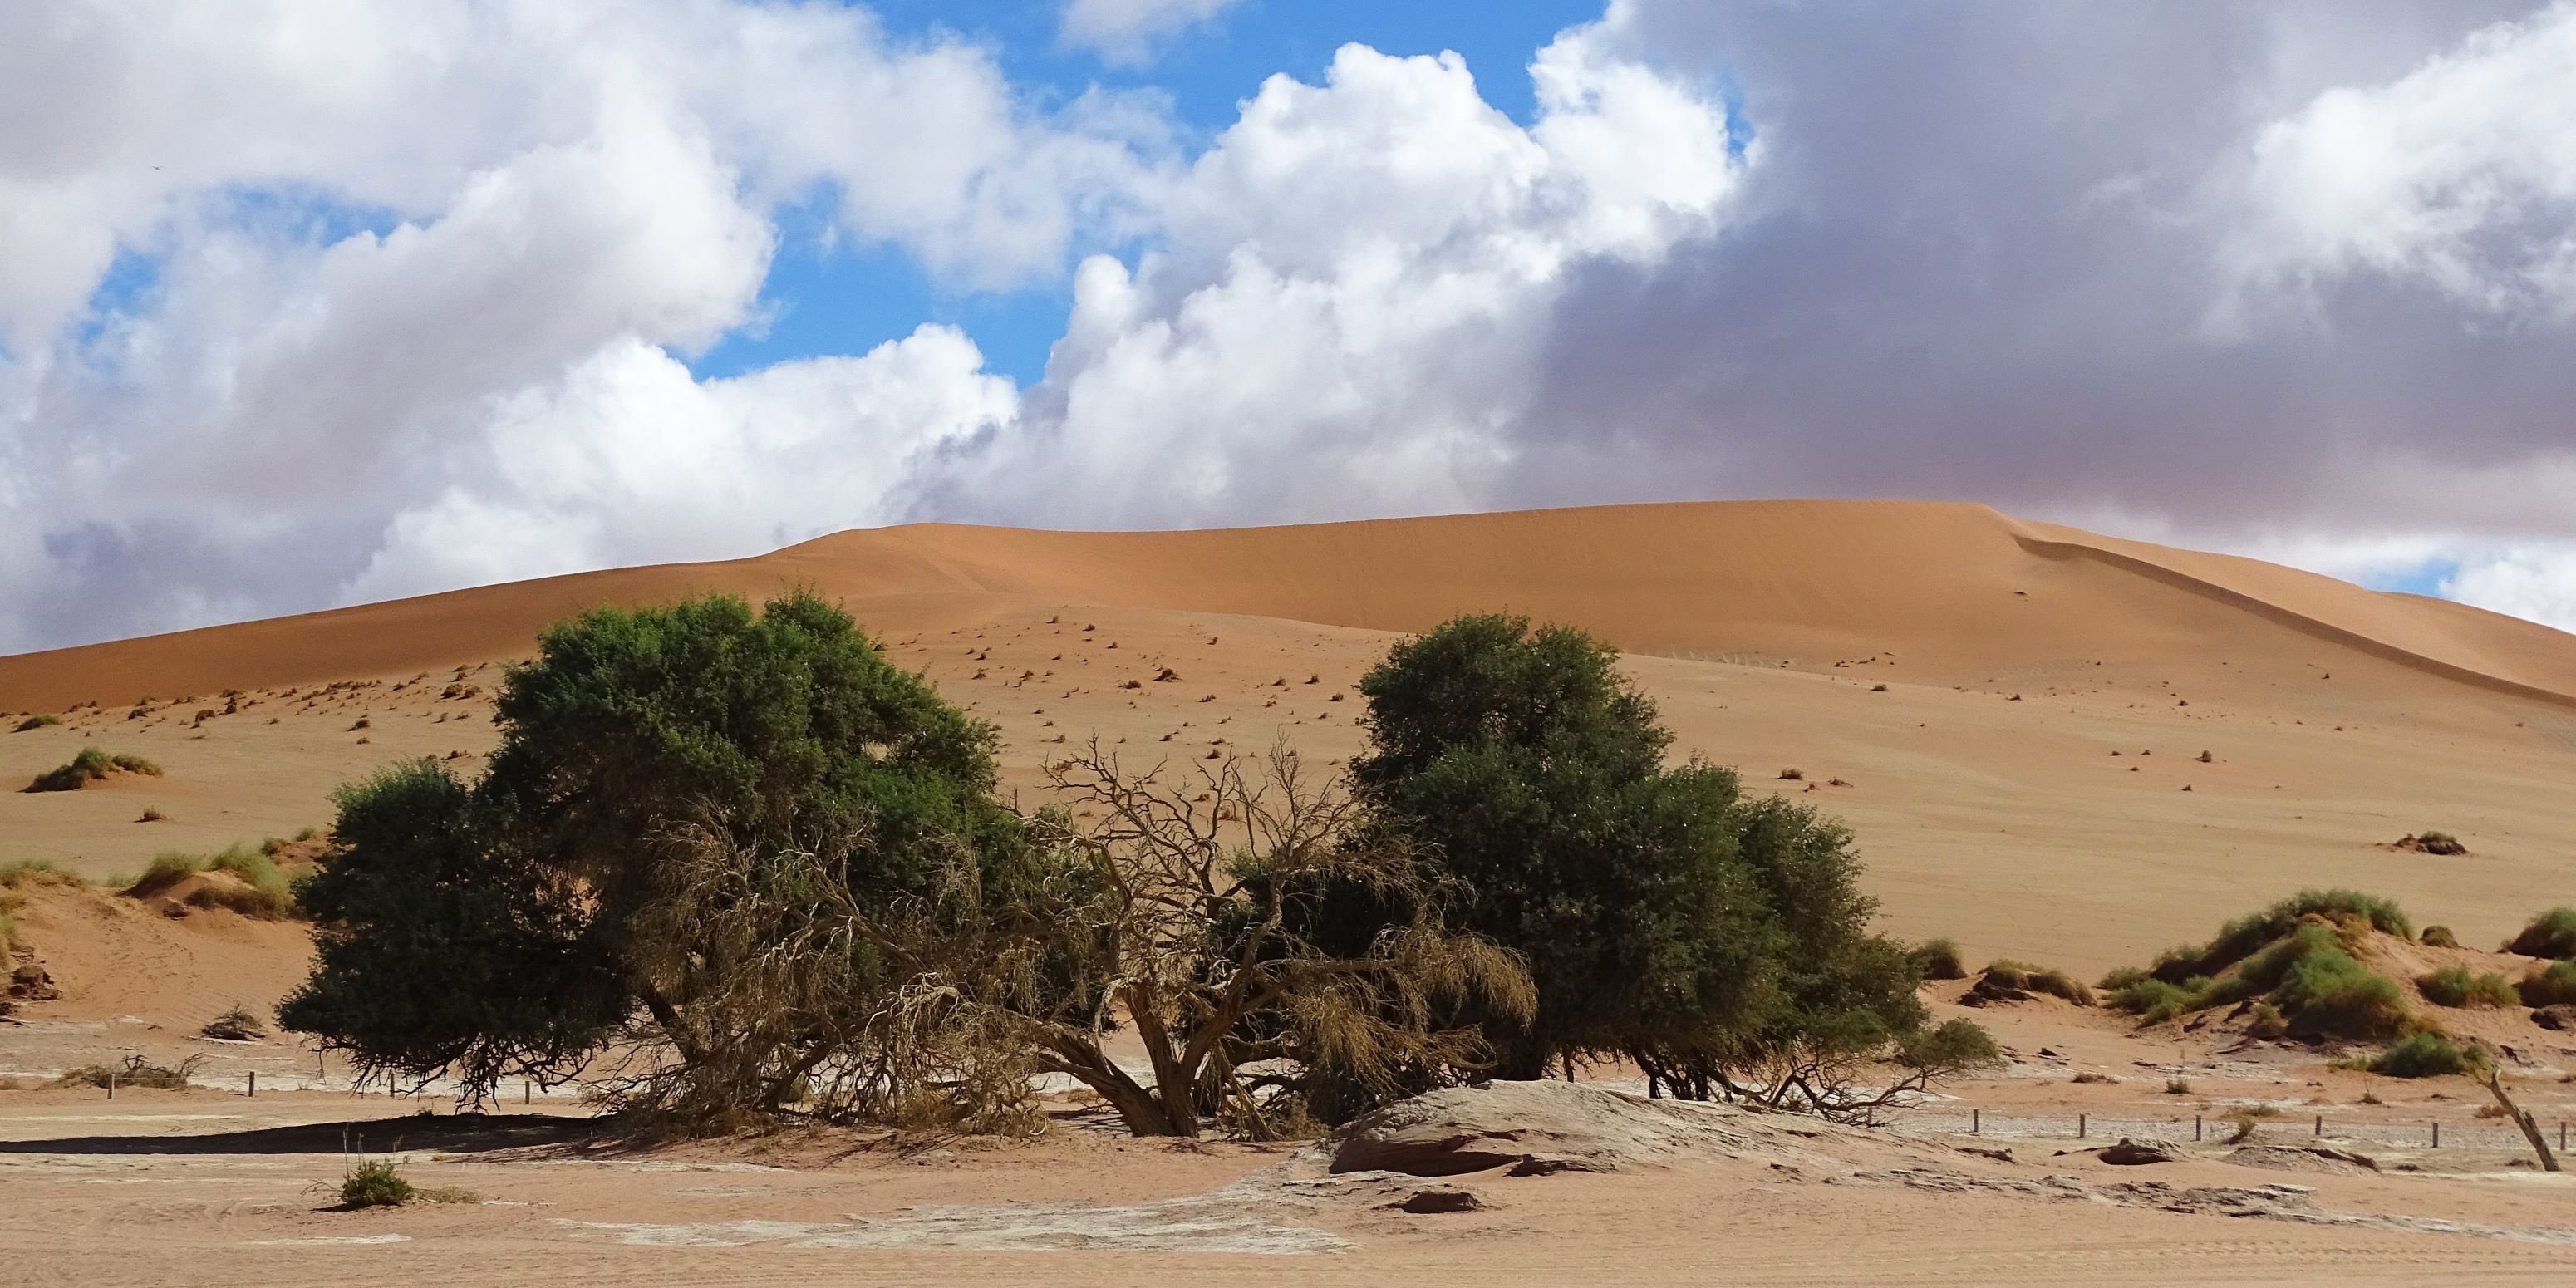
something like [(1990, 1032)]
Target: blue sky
[(825, 295)]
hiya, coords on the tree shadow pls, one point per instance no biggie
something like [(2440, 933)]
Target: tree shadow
[(445, 1133)]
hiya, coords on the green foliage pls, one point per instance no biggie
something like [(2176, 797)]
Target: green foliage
[(1939, 959), (2428, 1055), (508, 926), (2039, 979), (2439, 937), (1954, 1045), (2329, 992), (2266, 1022), (2242, 937), (90, 766), (436, 949), (25, 872), (2551, 934), (1533, 772), (2457, 986), (2551, 985), (36, 722), (269, 895), (374, 1182)]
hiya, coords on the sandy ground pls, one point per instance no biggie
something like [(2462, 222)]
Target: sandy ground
[(2012, 717)]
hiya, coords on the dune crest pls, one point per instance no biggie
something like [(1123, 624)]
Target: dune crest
[(1953, 593)]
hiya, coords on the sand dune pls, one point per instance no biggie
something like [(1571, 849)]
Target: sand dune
[(1955, 592)]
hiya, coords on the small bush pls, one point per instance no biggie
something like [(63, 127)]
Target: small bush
[(2440, 937), (2455, 986), (88, 767), (2439, 843), (1939, 959), (2152, 1000), (26, 872), (240, 1024), (2551, 934), (36, 722), (135, 1072), (2330, 992), (2039, 979), (374, 1183), (2266, 1022), (2243, 937), (2177, 1086), (2551, 985), (2427, 1055), (1793, 775), (270, 896)]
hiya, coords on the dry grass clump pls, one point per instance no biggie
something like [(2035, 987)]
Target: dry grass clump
[(2551, 985), (268, 897), (2551, 934), (2439, 937), (90, 766), (135, 1072), (2431, 842), (2457, 986), (1939, 959), (36, 722), (238, 1024), (2009, 974), (14, 879)]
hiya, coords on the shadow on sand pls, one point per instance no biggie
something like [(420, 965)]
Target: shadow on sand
[(446, 1133)]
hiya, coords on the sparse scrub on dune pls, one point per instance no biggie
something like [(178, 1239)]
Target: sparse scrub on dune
[(237, 1024), (2551, 934), (2428, 1055), (25, 872), (2440, 937), (91, 765), (2305, 976), (2550, 985), (268, 896), (2007, 973), (2432, 842), (1939, 959), (2457, 986), (36, 722)]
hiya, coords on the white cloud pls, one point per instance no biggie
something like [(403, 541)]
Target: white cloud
[(2535, 580), (1345, 311), (2460, 174), (1126, 31)]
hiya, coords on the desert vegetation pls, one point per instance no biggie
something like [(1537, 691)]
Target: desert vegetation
[(37, 721), (2296, 956), (727, 865), (2551, 934), (256, 886), (2457, 986), (90, 766)]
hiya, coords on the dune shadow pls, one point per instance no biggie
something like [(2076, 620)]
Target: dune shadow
[(446, 1133)]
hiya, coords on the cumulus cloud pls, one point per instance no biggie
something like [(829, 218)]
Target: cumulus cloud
[(1127, 31), (2460, 174), (1348, 294), (280, 285)]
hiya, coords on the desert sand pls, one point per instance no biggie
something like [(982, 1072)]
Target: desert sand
[(2013, 717)]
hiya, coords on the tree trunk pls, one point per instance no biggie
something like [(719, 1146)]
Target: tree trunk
[(1136, 1107), (2530, 1129), (1174, 1088)]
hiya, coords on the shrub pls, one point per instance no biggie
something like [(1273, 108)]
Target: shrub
[(2266, 1022), (36, 722), (2039, 979), (2330, 992), (2440, 937), (2551, 934), (1939, 959), (2177, 1086), (239, 1024), (2456, 986), (374, 1183), (2428, 1055), (2551, 985), (2242, 937), (2431, 842), (135, 1072), (269, 896), (25, 872), (88, 767)]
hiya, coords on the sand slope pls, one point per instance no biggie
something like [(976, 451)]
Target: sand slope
[(1955, 592)]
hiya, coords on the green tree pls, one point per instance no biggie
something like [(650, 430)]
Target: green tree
[(649, 831), (1534, 772)]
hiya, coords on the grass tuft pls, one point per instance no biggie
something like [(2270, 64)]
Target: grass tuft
[(36, 722), (2551, 985), (2428, 1055), (2039, 979), (2456, 986), (90, 766), (2551, 934), (2440, 937), (1939, 959)]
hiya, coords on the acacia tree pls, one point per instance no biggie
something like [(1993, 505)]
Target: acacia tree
[(1721, 943), (562, 880)]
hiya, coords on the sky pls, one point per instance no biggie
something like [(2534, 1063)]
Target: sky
[(312, 302)]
